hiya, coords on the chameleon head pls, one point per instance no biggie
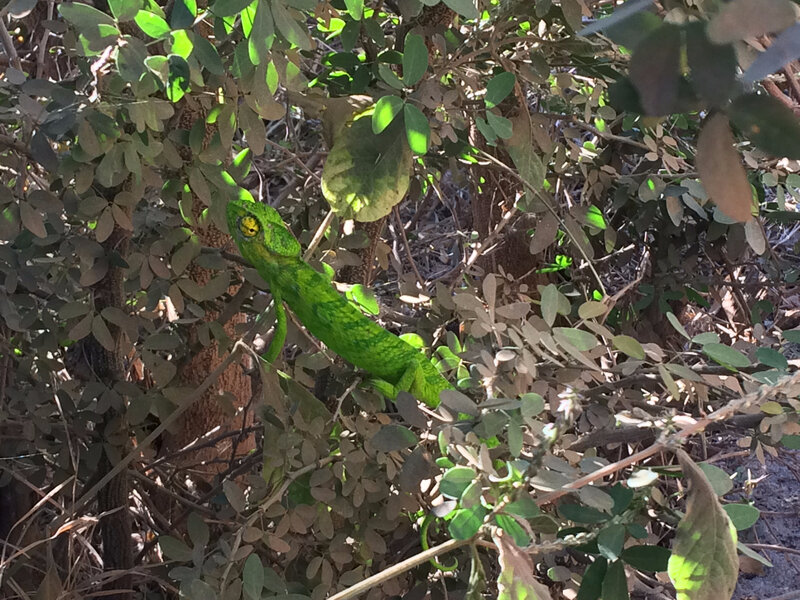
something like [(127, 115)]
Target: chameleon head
[(258, 228)]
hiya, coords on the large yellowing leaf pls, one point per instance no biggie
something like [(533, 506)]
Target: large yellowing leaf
[(704, 564), (721, 169), (516, 581), (367, 174)]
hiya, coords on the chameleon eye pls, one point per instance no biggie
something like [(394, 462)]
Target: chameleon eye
[(248, 226)]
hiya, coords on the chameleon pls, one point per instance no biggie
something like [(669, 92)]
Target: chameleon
[(267, 243)]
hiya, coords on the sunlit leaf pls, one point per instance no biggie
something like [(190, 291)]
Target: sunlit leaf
[(386, 109), (366, 175), (418, 131), (704, 564), (152, 24), (498, 88), (516, 580)]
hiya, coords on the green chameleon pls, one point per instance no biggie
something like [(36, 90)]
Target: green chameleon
[(265, 240)]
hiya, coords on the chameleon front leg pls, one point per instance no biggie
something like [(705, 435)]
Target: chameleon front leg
[(410, 381), (279, 337)]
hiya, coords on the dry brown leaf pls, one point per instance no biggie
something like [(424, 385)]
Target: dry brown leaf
[(721, 170)]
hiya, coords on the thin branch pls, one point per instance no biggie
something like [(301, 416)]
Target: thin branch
[(722, 414), (774, 547), (399, 569), (407, 246)]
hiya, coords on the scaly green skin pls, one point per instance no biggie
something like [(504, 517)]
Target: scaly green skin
[(265, 241)]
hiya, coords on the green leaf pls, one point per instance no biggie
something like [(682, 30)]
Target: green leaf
[(743, 516), (520, 147), (83, 17), (207, 55), (355, 8), (391, 438), (162, 341), (386, 109), (174, 549), (593, 217), (261, 35), (582, 514), (181, 43), (514, 529), (654, 70), (124, 10), (183, 13), (500, 125), (455, 481), (550, 302), (389, 77), (229, 8), (198, 529), (466, 522), (629, 346), (647, 558), (466, 8), (418, 131), (791, 441), (610, 541), (592, 309), (415, 59), (179, 74), (592, 582), (791, 335), (524, 507), (704, 564), (720, 481), (615, 584), (152, 24), (289, 27), (102, 334), (771, 358), (366, 175), (582, 340), (769, 124), (498, 88), (673, 320), (725, 355), (253, 577)]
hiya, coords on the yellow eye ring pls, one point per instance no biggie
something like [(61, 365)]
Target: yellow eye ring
[(249, 226)]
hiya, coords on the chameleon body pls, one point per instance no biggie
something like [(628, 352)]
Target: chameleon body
[(268, 244)]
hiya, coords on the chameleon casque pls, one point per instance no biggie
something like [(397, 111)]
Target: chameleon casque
[(265, 240)]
